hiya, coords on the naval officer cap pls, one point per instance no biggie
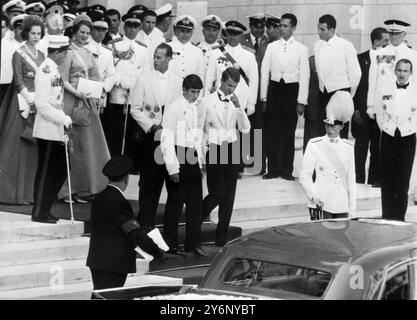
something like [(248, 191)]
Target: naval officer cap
[(18, 20), (35, 7), (133, 18), (14, 6), (396, 26), (58, 42), (164, 11), (257, 19), (185, 21), (272, 21), (99, 20), (340, 108), (96, 8), (118, 167), (234, 26), (138, 9), (212, 21)]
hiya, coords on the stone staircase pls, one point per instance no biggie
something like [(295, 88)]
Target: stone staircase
[(40, 261)]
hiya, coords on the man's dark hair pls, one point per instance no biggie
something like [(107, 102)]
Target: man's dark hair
[(5, 18), (290, 17), (329, 20), (52, 50), (117, 179), (192, 81), (29, 23), (167, 48), (377, 33), (406, 61), (149, 13), (231, 73), (112, 12)]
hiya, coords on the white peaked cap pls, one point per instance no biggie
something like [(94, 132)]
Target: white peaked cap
[(340, 108)]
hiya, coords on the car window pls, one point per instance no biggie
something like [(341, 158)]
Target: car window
[(397, 285), (271, 276)]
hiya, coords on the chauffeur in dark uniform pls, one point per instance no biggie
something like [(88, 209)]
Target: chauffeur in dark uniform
[(114, 231), (364, 129)]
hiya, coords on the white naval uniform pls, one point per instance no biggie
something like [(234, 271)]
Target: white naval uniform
[(127, 71), (329, 187), (49, 95), (222, 118), (8, 48), (152, 92), (382, 70), (287, 60), (246, 60), (187, 59), (337, 65), (104, 59), (181, 127), (207, 53), (151, 40)]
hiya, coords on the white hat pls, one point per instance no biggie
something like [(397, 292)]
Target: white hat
[(185, 21), (13, 5), (165, 10), (340, 108), (396, 26), (19, 17), (56, 42), (39, 7), (212, 20)]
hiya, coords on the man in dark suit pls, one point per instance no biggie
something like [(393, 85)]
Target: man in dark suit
[(257, 41), (313, 114), (115, 232), (113, 19), (364, 129)]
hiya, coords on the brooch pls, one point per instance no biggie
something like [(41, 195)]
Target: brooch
[(46, 69), (31, 74)]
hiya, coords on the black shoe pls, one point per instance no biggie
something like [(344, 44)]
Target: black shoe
[(262, 172), (270, 176), (376, 184), (199, 252), (177, 251), (240, 176), (52, 217), (288, 177), (43, 220), (78, 199)]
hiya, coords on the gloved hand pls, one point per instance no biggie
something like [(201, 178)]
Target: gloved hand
[(67, 121)]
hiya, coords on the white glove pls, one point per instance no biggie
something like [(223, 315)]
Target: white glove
[(28, 96), (251, 109), (67, 121), (371, 112)]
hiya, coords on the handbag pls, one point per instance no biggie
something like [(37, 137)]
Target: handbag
[(27, 132), (81, 114)]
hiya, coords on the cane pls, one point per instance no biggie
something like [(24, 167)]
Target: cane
[(66, 141), (126, 109)]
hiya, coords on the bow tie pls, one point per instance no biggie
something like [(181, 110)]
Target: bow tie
[(222, 98), (334, 140), (402, 86)]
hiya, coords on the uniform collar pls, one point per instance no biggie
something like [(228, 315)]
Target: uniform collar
[(162, 75), (288, 42), (222, 96), (333, 140)]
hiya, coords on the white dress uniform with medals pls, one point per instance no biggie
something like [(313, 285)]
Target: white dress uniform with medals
[(333, 161)]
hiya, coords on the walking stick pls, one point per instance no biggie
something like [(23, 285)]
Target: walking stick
[(126, 110), (66, 141)]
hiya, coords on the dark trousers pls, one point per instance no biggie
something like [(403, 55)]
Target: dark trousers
[(367, 136), (106, 280), (50, 176), (3, 91), (324, 98), (281, 124), (312, 129), (188, 191), (221, 183), (113, 121), (397, 157), (151, 181)]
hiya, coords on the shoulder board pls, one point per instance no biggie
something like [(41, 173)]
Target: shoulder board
[(141, 43), (314, 140), (115, 41), (348, 142), (249, 49)]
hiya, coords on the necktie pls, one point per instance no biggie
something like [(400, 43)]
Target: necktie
[(402, 86), (256, 46)]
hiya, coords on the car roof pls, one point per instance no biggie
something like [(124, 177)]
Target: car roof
[(326, 245)]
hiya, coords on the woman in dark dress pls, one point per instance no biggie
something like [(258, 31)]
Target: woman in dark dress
[(18, 150)]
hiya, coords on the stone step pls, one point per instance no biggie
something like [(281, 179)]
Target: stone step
[(25, 230), (43, 251), (81, 290), (43, 274)]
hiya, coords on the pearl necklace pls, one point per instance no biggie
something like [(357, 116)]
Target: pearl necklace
[(34, 56)]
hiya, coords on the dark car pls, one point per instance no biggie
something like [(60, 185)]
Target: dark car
[(343, 259)]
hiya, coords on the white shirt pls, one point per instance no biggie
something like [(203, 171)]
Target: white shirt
[(286, 60), (180, 128), (329, 187), (8, 48), (382, 68), (337, 65), (246, 60), (207, 53), (152, 40), (187, 59), (127, 70)]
